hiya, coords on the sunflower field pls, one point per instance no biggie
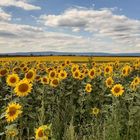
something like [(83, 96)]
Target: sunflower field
[(63, 100)]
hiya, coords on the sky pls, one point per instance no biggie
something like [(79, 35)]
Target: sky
[(110, 26)]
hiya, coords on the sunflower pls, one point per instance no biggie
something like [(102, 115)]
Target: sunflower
[(13, 110), (37, 78), (25, 69), (16, 69), (91, 73), (133, 86), (95, 111), (82, 76), (117, 90), (54, 82), (42, 70), (67, 62), (40, 65), (3, 72), (116, 65), (58, 70), (108, 70), (74, 68), (126, 71), (23, 88), (30, 75), (62, 74), (42, 133), (47, 70), (52, 74), (55, 67), (63, 65), (45, 80), (93, 64), (84, 65), (99, 71), (88, 88), (22, 65), (86, 71), (109, 82), (76, 74), (12, 80), (129, 69), (29, 63), (136, 80), (83, 70), (136, 67)]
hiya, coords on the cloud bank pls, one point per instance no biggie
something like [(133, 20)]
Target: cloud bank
[(119, 28), (19, 3), (74, 30)]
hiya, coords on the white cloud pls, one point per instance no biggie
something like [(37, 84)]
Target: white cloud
[(19, 3), (4, 16), (103, 22), (23, 38), (75, 18), (75, 29), (108, 33)]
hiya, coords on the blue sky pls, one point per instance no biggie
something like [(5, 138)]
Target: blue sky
[(70, 26)]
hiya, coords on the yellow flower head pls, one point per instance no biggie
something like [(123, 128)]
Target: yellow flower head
[(94, 64), (76, 74), (45, 80), (117, 90), (133, 86), (25, 69), (62, 74), (22, 65), (91, 73), (16, 69), (42, 133), (116, 65), (95, 111), (54, 82), (88, 88), (13, 110), (37, 78), (23, 88), (108, 70), (63, 65), (30, 75), (99, 71), (40, 65), (126, 70), (136, 80), (52, 74), (3, 72), (12, 80), (82, 76), (136, 67), (74, 68), (67, 62), (109, 82)]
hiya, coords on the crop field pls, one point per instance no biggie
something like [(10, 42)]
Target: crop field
[(69, 98), (71, 58)]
